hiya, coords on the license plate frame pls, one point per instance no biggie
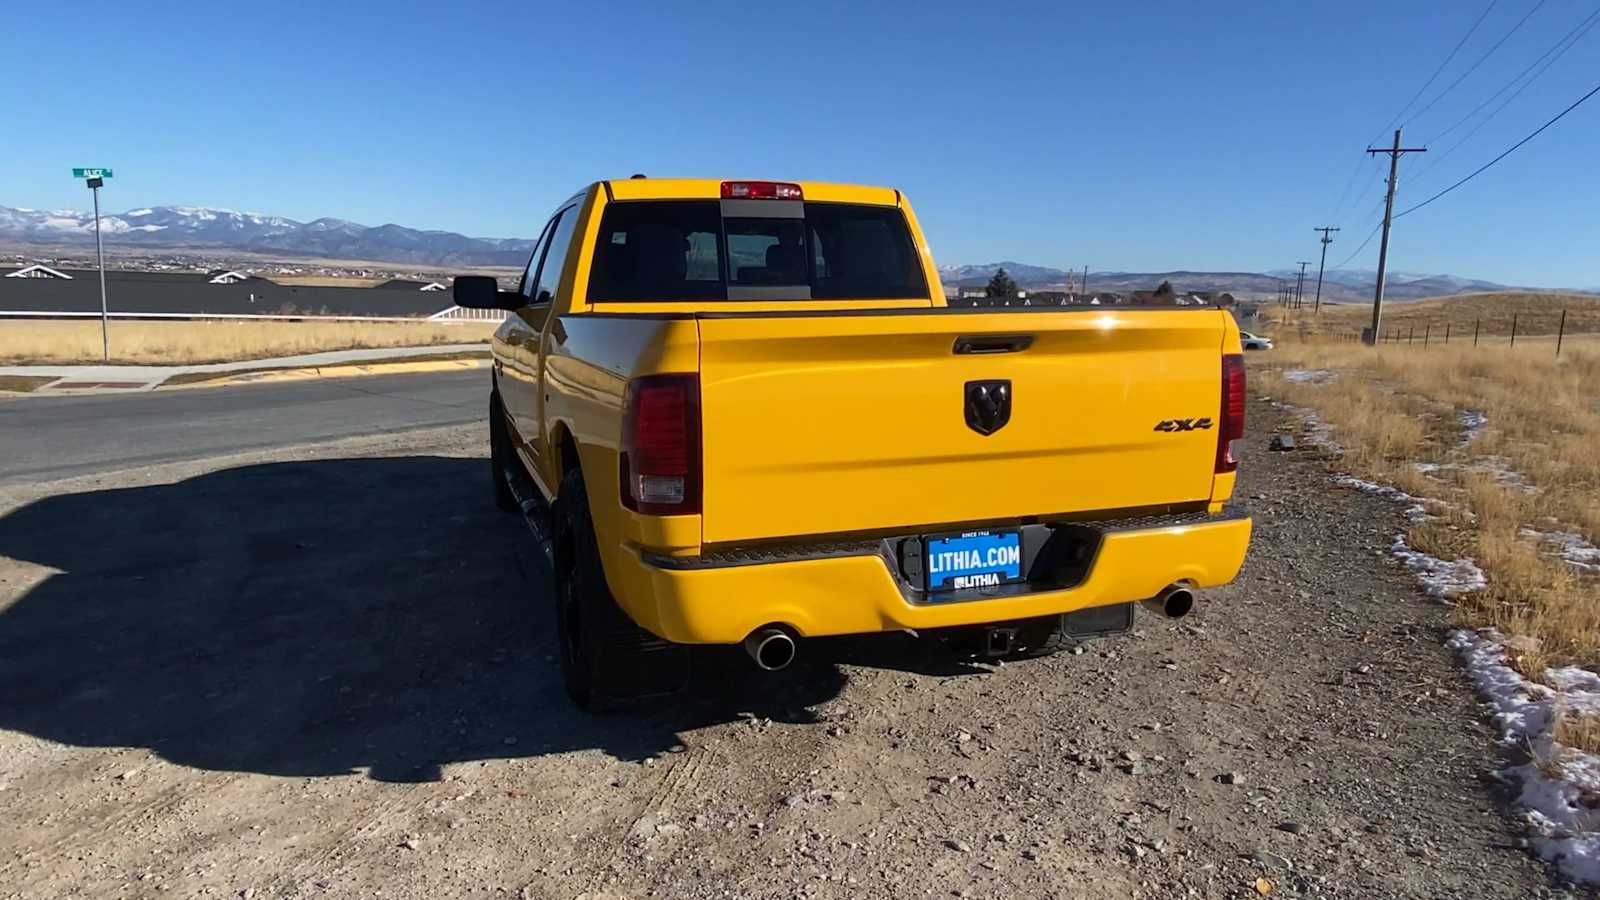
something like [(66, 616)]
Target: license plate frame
[(943, 574)]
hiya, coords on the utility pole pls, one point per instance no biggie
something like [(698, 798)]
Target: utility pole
[(1085, 280), (1299, 285), (1395, 153), (1326, 240)]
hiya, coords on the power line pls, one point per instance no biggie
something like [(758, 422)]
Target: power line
[(1377, 172), (1345, 192), (1581, 31), (1358, 250), (1474, 67), (1429, 83), (1376, 227), (1587, 23), (1508, 152)]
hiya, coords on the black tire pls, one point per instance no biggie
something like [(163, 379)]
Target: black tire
[(606, 659), (501, 456), (1042, 636)]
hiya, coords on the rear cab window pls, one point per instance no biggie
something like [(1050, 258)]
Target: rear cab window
[(674, 250)]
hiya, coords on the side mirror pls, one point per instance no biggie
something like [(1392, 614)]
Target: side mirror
[(483, 292)]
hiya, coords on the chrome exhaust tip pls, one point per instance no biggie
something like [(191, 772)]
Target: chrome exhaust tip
[(771, 648), (1175, 601)]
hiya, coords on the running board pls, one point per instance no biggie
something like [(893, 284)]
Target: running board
[(534, 511)]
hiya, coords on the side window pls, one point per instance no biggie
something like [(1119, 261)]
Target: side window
[(555, 254), (531, 271)]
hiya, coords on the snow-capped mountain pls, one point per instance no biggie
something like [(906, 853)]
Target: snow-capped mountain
[(1021, 273), (197, 226)]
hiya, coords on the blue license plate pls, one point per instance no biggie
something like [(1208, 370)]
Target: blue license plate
[(972, 560)]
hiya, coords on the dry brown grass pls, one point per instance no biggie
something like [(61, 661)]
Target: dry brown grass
[(1490, 313), (1578, 730), (180, 343), (23, 384), (1536, 465)]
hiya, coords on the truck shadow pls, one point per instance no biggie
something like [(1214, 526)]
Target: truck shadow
[(319, 618)]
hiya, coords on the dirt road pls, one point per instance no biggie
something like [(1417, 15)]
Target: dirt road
[(327, 673)]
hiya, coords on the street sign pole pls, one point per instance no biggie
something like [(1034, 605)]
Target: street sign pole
[(100, 261), (95, 178)]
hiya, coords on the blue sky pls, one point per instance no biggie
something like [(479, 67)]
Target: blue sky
[(1125, 136)]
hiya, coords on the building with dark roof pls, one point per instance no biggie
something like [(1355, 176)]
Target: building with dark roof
[(203, 293)]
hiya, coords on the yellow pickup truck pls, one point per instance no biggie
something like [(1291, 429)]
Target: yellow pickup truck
[(744, 412)]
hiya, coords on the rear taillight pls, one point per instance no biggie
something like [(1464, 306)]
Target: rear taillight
[(660, 459), (1230, 425), (760, 190)]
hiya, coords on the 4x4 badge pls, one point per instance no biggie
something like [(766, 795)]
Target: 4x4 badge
[(1183, 424)]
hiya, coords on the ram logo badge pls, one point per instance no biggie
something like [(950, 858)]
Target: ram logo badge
[(1183, 424), (988, 405)]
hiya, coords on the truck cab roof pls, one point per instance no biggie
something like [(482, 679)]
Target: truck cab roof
[(712, 189)]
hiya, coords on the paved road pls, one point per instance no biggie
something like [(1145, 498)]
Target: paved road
[(43, 438)]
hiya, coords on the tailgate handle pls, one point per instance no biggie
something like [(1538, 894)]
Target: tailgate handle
[(993, 343)]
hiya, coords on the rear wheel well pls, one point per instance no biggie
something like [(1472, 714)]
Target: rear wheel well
[(571, 471), (567, 453)]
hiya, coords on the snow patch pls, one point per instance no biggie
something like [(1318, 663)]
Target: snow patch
[(1439, 579), (1416, 511), (1500, 468), (1575, 550), (1310, 376), (1497, 467), (1472, 422), (1561, 813)]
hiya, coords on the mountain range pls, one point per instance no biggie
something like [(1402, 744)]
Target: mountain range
[(201, 227), (198, 227), (1343, 285)]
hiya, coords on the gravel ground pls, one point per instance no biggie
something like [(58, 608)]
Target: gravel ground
[(327, 672)]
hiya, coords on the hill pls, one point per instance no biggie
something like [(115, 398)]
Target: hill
[(1344, 286), (197, 227), (1490, 312)]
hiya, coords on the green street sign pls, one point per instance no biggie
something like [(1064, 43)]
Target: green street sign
[(91, 173)]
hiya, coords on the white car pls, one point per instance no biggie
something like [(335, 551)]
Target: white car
[(1254, 341)]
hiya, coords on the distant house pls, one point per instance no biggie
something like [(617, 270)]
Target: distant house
[(229, 277), (38, 271), (1063, 298), (408, 284)]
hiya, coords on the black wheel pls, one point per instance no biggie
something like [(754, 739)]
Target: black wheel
[(1042, 636), (501, 456), (606, 659)]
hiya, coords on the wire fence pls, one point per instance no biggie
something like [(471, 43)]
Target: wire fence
[(1477, 331)]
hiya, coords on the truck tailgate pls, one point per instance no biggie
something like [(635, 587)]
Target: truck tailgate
[(835, 423)]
